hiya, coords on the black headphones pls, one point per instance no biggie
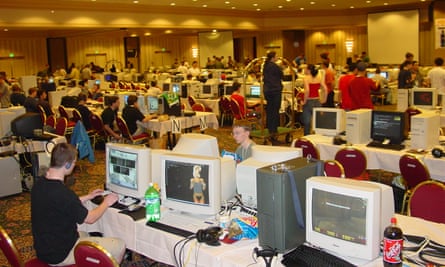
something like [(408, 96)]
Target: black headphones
[(210, 236), (265, 253), (437, 152)]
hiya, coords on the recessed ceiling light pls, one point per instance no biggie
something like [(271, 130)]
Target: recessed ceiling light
[(255, 4), (312, 3), (233, 7), (368, 2), (147, 33), (280, 6), (333, 5), (194, 0), (351, 7), (385, 4), (258, 9), (168, 31), (227, 2), (288, 0), (5, 30), (204, 5), (301, 8), (422, 0), (135, 1), (173, 4), (214, 30), (93, 0)]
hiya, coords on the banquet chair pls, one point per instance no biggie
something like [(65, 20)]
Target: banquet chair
[(226, 111), (61, 126), (13, 256), (42, 114), (308, 148), (198, 107), (191, 100), (98, 132), (427, 201), (413, 172), (76, 116), (90, 254), (51, 121), (333, 168), (353, 161), (236, 111), (70, 122), (123, 128)]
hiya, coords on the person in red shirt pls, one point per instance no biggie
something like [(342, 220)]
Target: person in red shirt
[(343, 85), (360, 89), (236, 95)]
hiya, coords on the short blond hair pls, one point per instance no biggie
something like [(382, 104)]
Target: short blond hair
[(245, 124)]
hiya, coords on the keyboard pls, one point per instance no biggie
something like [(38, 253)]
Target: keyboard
[(378, 144), (170, 229), (306, 256)]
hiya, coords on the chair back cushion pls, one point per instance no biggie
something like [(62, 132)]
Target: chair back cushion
[(427, 201), (412, 170), (308, 148), (353, 162), (122, 125), (333, 168), (61, 125), (90, 254)]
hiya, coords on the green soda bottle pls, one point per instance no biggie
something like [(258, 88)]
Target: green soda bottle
[(152, 204)]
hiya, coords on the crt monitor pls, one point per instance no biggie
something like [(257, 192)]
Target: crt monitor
[(347, 217), (388, 126), (152, 104), (329, 121), (191, 184), (424, 98), (197, 144), (24, 125), (127, 169), (255, 91)]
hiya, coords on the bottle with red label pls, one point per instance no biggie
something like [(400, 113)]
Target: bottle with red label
[(392, 244)]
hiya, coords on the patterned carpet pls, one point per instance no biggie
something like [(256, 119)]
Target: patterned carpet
[(15, 210)]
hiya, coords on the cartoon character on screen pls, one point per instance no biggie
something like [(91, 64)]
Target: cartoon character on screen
[(198, 185)]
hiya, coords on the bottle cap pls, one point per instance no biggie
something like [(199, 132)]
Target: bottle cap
[(393, 220)]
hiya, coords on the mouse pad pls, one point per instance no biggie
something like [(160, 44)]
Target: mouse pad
[(136, 214)]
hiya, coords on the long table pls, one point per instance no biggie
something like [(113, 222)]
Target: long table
[(158, 245), (378, 158)]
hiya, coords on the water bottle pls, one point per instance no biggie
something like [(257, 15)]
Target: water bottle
[(392, 244), (152, 204)]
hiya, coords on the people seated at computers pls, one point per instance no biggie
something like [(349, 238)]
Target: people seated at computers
[(109, 117), (343, 86), (211, 80), (154, 90), (56, 211), (31, 100), (241, 133), (360, 89), (131, 114), (382, 85), (236, 95), (84, 110), (17, 96), (313, 84), (5, 99), (41, 95), (194, 70), (95, 92)]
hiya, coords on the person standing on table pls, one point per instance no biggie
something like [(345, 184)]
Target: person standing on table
[(109, 117), (272, 76), (314, 89), (56, 210)]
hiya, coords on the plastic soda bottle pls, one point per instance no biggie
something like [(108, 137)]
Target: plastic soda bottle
[(392, 244), (152, 204)]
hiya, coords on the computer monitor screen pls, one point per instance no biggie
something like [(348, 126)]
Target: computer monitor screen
[(110, 78), (127, 169), (424, 98), (384, 74), (152, 104), (347, 216), (370, 75), (206, 89), (255, 90), (176, 88), (388, 125), (329, 121), (191, 184), (165, 87)]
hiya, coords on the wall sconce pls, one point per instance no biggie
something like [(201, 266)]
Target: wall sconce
[(195, 52), (349, 44)]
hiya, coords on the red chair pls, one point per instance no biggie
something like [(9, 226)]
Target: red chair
[(64, 114), (333, 168), (42, 113), (13, 256), (76, 116), (198, 107), (97, 129), (354, 162), (61, 126), (427, 201), (51, 121), (236, 111), (138, 139), (191, 100), (308, 147), (413, 172), (226, 111), (90, 254)]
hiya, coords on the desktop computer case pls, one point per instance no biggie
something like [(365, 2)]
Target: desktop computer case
[(277, 221)]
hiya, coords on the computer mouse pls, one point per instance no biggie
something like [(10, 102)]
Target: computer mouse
[(133, 207)]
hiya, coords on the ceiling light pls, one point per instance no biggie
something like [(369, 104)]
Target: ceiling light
[(312, 3), (368, 2), (233, 7), (93, 0), (301, 8), (280, 6), (135, 2), (147, 34), (214, 30), (52, 11), (5, 30), (333, 5), (385, 4), (168, 31), (351, 7), (133, 35), (258, 9), (204, 5), (227, 2), (255, 4), (194, 0), (288, 0), (173, 4)]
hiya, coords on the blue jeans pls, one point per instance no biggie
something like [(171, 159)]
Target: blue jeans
[(308, 109)]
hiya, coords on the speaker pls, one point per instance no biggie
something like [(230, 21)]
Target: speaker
[(210, 235), (437, 152)]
